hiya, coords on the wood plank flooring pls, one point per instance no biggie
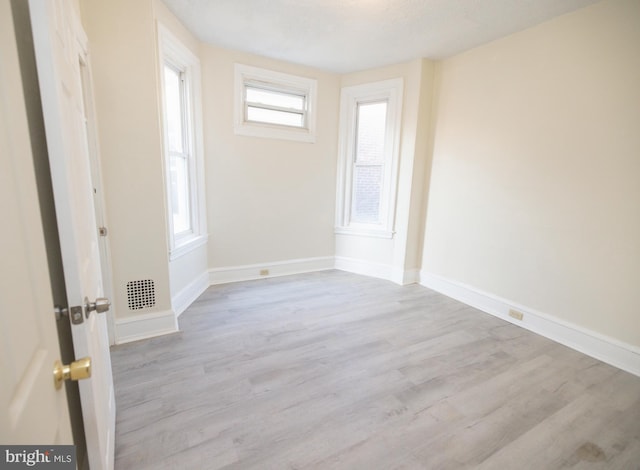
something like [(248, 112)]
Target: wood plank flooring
[(332, 370)]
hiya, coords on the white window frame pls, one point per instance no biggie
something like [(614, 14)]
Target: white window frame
[(177, 55), (276, 81), (391, 92)]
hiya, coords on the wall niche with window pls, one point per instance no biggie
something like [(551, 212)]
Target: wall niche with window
[(183, 153), (370, 118), (274, 105)]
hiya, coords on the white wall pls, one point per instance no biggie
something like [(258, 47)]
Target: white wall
[(535, 186), (268, 200), (532, 196), (125, 60), (397, 258), (122, 39)]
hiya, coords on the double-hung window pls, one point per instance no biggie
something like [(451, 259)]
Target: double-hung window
[(274, 105), (182, 145), (178, 151), (370, 118)]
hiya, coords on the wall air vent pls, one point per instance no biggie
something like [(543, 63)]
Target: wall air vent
[(141, 294)]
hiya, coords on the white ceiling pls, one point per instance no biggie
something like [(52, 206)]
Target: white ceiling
[(348, 35)]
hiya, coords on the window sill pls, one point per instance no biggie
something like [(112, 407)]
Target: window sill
[(274, 132), (187, 245), (365, 232)]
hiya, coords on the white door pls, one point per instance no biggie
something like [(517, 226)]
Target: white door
[(60, 46), (32, 411)]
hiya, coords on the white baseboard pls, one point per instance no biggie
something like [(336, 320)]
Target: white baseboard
[(379, 270), (183, 299), (145, 326), (366, 268), (279, 268), (607, 349)]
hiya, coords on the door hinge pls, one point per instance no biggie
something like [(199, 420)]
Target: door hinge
[(60, 312), (102, 231)]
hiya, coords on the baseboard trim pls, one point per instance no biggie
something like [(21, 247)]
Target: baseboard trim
[(614, 352), (378, 270), (278, 268), (183, 299), (145, 326), (366, 268)]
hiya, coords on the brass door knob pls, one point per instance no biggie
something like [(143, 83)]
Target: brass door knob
[(77, 370)]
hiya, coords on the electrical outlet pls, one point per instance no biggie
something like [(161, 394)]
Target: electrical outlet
[(515, 314), (264, 272)]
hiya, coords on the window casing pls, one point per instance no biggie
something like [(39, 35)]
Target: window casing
[(180, 97), (370, 118), (274, 105)]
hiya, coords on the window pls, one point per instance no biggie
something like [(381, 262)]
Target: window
[(368, 162), (274, 105), (182, 145), (178, 150), (369, 145), (271, 106)]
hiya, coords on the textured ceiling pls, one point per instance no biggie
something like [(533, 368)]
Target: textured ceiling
[(348, 35)]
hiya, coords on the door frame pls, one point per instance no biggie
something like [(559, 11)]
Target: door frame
[(93, 144)]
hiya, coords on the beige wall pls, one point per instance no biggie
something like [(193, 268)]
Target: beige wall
[(122, 39), (415, 159), (532, 194), (535, 187), (401, 253), (268, 200), (163, 15)]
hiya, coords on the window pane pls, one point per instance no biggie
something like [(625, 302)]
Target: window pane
[(271, 116), (173, 103), (274, 98), (367, 185), (180, 203), (370, 136)]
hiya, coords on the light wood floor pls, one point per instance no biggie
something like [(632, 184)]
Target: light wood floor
[(332, 370)]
